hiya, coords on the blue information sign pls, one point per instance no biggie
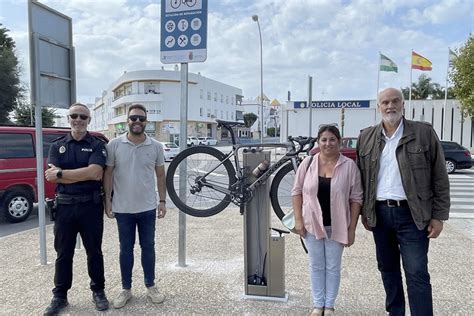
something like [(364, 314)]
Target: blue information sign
[(332, 104), (183, 31)]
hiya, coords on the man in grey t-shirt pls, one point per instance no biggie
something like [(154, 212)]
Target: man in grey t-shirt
[(133, 160)]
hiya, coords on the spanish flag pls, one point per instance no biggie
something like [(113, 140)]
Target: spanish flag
[(419, 62)]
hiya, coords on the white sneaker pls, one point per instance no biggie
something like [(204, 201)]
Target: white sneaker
[(154, 295), (121, 300)]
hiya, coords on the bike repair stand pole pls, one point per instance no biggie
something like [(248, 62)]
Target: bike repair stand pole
[(183, 134), (264, 256)]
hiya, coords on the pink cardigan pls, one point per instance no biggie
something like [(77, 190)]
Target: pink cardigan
[(346, 187)]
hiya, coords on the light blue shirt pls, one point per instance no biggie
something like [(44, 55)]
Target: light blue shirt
[(389, 180)]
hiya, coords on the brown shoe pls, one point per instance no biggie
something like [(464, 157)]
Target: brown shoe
[(329, 312)]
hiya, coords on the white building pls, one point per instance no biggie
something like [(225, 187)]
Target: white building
[(160, 92), (295, 121), (271, 116)]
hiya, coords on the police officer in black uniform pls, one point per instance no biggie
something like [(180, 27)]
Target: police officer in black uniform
[(76, 163)]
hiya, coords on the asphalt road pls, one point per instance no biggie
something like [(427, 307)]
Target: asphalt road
[(7, 228)]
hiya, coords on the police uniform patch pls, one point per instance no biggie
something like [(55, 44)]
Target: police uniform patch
[(104, 152), (62, 149)]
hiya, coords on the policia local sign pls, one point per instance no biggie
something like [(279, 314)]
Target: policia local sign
[(332, 104)]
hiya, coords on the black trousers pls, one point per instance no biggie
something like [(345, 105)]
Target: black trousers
[(87, 219)]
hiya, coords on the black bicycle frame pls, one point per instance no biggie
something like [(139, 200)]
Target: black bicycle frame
[(291, 156)]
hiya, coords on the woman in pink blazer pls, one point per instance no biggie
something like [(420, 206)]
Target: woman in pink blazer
[(327, 199)]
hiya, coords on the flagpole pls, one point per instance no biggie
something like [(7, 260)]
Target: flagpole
[(443, 130), (411, 75), (377, 92)]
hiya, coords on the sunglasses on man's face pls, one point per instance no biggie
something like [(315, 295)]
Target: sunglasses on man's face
[(135, 118), (75, 116)]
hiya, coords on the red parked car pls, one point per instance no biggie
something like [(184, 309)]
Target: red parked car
[(18, 188), (348, 147)]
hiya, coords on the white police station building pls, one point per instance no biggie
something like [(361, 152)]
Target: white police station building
[(353, 115)]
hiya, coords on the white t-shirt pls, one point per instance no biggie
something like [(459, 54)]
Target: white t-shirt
[(134, 181)]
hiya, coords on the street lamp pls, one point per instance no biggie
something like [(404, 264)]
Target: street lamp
[(255, 18)]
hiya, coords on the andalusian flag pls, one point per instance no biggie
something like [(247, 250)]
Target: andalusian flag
[(386, 64), (419, 62)]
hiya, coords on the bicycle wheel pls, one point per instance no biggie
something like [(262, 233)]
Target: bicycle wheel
[(280, 191), (191, 196)]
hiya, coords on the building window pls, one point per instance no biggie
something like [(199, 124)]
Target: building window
[(208, 95), (215, 113), (226, 115), (201, 94), (222, 98), (232, 102), (222, 114), (231, 116), (128, 89), (151, 88), (200, 111), (208, 113), (215, 96), (227, 99)]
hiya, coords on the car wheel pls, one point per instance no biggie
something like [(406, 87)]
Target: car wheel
[(17, 205), (450, 166)]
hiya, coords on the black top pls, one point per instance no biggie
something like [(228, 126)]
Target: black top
[(324, 197), (68, 153)]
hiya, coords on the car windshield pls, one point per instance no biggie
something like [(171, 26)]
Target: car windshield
[(171, 145)]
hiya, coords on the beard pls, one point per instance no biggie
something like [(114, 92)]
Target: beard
[(136, 129), (392, 119)]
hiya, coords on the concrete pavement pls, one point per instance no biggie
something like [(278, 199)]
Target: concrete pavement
[(212, 283)]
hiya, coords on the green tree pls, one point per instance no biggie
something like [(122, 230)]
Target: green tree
[(10, 89), (462, 76), (439, 93), (249, 119), (22, 115), (424, 89), (273, 132)]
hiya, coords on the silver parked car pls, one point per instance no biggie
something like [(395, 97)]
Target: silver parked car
[(171, 150), (192, 141), (208, 141)]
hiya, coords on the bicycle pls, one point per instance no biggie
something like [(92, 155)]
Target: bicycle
[(212, 182)]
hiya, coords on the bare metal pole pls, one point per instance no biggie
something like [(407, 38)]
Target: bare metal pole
[(35, 99), (443, 130), (255, 18), (183, 133), (310, 96)]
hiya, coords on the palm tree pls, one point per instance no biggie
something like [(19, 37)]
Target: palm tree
[(425, 89)]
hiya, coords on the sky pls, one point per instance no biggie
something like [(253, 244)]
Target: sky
[(337, 42)]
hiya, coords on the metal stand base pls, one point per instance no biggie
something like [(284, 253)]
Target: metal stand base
[(266, 298)]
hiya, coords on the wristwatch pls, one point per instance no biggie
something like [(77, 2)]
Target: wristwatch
[(163, 201), (59, 174)]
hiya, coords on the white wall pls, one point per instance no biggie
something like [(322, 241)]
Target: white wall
[(359, 118)]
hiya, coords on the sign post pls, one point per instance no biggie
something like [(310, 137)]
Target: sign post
[(183, 40), (52, 80)]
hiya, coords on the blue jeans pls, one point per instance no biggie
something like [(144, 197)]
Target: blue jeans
[(127, 225), (396, 234), (325, 256)]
